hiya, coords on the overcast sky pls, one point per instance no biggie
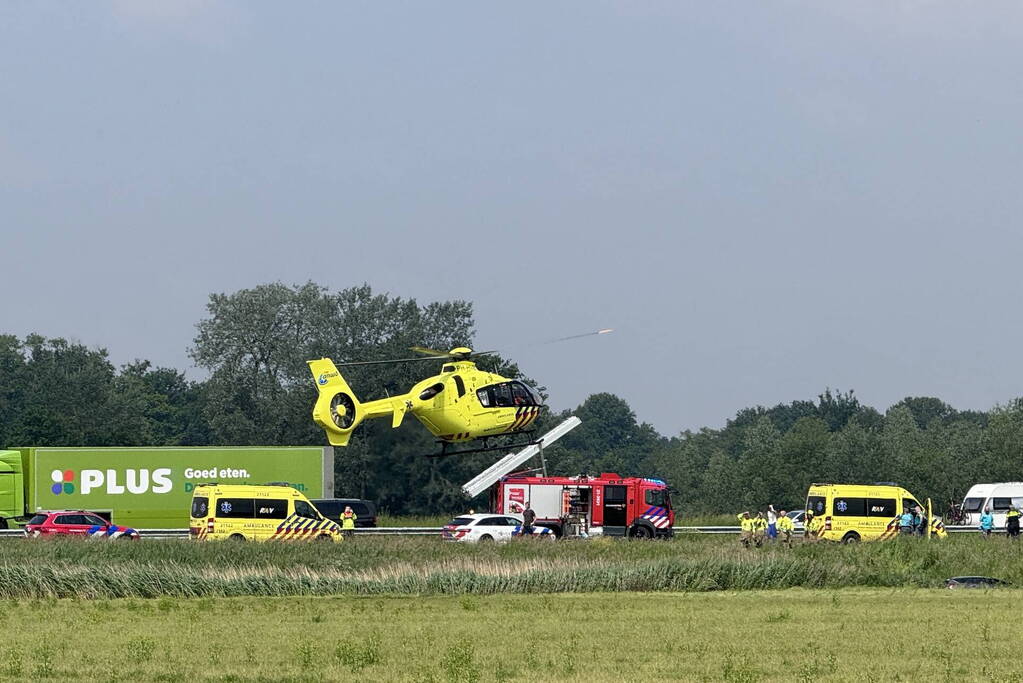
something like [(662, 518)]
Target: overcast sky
[(764, 199)]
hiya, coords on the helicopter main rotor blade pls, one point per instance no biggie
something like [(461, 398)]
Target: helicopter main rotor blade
[(429, 352), (440, 355), (578, 336), (549, 341), (389, 360)]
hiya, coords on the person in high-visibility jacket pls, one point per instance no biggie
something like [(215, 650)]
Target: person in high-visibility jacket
[(745, 529), (348, 518), (1012, 523), (785, 528), (759, 529), (810, 527)]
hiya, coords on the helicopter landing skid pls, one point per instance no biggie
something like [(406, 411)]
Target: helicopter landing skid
[(444, 452)]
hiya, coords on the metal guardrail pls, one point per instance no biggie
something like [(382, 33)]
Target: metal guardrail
[(183, 533), (428, 531), (735, 530)]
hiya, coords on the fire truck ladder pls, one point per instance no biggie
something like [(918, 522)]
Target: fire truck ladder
[(505, 465)]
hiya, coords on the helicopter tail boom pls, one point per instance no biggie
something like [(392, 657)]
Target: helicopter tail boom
[(337, 410)]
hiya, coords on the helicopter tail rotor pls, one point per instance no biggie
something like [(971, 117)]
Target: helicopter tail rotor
[(337, 410)]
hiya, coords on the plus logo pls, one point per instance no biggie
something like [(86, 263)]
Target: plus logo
[(62, 481), (112, 482)]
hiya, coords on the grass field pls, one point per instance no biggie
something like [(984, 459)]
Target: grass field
[(790, 635), (71, 568)]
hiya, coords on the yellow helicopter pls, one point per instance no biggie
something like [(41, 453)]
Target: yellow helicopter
[(461, 404)]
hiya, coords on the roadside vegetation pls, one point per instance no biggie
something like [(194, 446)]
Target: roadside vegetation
[(254, 344), (70, 568), (791, 635)]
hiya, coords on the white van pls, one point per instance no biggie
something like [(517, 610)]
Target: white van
[(996, 497)]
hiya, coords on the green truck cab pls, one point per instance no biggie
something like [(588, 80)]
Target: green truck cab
[(148, 488)]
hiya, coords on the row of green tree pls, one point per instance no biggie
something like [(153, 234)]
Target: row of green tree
[(254, 344)]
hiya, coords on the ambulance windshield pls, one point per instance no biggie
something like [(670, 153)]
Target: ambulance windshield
[(200, 506)]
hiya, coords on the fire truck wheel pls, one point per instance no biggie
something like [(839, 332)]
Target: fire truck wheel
[(641, 531)]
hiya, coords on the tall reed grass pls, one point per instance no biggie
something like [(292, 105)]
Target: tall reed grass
[(380, 566)]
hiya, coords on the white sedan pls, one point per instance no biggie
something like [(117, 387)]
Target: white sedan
[(483, 527)]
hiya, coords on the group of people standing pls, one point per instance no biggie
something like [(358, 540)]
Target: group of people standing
[(755, 530), (913, 522), (1012, 520)]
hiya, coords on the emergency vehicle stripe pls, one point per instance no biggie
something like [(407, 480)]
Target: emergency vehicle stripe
[(523, 417), (657, 515)]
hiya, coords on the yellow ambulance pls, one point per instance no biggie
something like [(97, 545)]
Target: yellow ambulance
[(257, 513), (853, 512)]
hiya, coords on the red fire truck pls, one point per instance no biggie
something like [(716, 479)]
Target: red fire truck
[(610, 504)]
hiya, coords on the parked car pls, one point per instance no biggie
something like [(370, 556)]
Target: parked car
[(365, 510), (75, 523), (974, 582), (486, 527)]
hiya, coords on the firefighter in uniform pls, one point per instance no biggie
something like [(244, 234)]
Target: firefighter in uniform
[(746, 529), (785, 528), (759, 529), (1012, 523), (348, 518)]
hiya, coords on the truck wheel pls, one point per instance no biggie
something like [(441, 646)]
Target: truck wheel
[(851, 537), (641, 531), (236, 537)]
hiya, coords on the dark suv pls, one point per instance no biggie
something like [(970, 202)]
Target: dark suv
[(365, 510)]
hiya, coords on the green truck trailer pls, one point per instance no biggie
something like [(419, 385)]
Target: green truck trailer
[(148, 488)]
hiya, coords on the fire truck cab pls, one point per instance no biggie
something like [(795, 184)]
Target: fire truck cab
[(609, 505)]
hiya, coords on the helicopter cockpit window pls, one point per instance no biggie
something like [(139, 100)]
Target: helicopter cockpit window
[(459, 385), (520, 396), (501, 395), (508, 394), (495, 396)]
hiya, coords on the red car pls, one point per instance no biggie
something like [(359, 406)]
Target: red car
[(75, 523)]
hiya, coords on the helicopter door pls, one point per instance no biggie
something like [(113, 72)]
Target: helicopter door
[(497, 396), (614, 510)]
